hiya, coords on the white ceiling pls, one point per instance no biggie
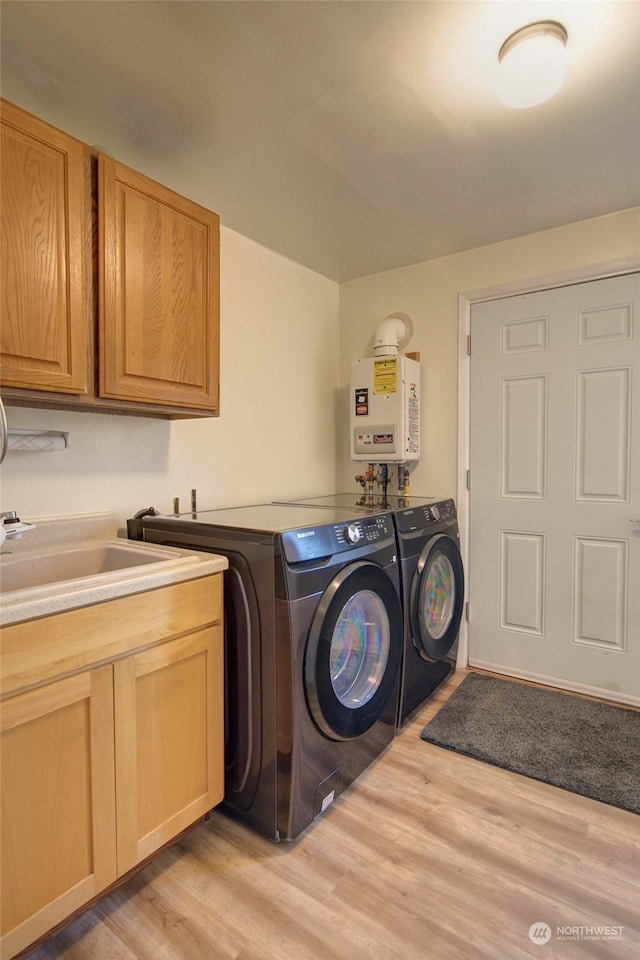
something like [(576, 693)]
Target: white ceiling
[(352, 137)]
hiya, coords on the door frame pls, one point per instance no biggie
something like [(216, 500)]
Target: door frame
[(466, 299)]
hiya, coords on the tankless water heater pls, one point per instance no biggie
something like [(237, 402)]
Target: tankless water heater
[(385, 409)]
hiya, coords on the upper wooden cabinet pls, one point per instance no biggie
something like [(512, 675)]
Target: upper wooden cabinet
[(44, 329), (110, 282), (158, 292)]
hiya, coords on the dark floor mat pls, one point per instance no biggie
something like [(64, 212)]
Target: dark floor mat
[(586, 746)]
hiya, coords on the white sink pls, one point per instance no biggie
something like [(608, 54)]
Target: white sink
[(77, 563)]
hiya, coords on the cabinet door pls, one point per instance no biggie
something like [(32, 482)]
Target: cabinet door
[(58, 807), (158, 292), (44, 336), (169, 741)]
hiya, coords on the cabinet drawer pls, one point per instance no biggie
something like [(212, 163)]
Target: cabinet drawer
[(37, 651)]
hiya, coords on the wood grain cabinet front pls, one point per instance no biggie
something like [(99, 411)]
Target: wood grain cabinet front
[(169, 744), (102, 768), (158, 292), (58, 803), (110, 282), (44, 333)]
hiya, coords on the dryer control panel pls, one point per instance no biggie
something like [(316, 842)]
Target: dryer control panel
[(424, 517)]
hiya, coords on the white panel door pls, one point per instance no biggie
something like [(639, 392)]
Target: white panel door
[(554, 564)]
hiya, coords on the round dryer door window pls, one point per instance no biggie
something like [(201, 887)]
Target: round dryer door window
[(437, 598), (353, 652)]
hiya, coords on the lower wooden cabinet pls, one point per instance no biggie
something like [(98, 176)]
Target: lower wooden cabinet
[(169, 766), (58, 803), (102, 768)]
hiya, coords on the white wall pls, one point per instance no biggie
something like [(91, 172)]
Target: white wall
[(276, 430), (284, 382), (429, 293), (287, 336)]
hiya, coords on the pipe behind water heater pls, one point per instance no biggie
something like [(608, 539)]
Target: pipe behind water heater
[(394, 332)]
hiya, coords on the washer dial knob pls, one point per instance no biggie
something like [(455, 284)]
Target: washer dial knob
[(353, 533), (435, 513)]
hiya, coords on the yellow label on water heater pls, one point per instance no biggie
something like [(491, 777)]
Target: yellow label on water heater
[(385, 375)]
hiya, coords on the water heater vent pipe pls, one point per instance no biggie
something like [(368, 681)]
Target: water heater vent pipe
[(394, 332)]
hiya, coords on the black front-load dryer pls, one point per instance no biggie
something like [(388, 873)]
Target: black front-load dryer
[(432, 585), (313, 651), (433, 597)]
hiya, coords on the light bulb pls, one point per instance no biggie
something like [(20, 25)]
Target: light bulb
[(532, 64)]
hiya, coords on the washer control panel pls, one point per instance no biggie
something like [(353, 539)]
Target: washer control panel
[(310, 543), (353, 533), (364, 530)]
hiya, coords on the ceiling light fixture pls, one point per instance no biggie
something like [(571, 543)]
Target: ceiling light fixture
[(532, 64)]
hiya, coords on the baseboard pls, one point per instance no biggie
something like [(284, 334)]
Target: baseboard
[(599, 693)]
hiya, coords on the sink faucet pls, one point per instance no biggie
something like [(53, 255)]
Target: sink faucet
[(12, 526)]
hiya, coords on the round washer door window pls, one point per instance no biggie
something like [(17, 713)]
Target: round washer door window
[(436, 598), (353, 652), (359, 649)]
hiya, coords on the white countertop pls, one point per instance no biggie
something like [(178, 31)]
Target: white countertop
[(39, 601)]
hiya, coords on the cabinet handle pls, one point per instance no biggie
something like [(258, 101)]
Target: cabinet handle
[(4, 433)]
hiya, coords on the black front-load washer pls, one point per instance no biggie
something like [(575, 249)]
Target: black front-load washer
[(432, 585), (313, 646)]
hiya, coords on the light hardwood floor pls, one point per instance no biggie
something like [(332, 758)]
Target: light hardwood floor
[(428, 856)]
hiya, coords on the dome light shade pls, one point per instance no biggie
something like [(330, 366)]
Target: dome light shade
[(532, 64)]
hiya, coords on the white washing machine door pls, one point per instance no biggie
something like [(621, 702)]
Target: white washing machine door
[(437, 596), (353, 651)]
